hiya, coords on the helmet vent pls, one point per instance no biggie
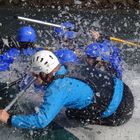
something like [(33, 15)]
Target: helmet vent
[(45, 62), (37, 58), (41, 60), (50, 56)]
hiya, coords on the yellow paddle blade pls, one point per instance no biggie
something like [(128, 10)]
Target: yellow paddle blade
[(46, 48), (124, 41)]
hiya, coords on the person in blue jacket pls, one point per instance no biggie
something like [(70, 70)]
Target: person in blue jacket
[(24, 45), (66, 57), (102, 56), (66, 35), (112, 54), (89, 95), (64, 32)]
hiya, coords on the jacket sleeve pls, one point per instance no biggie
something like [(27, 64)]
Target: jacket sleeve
[(53, 102)]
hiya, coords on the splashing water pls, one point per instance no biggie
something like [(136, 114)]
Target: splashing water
[(109, 22)]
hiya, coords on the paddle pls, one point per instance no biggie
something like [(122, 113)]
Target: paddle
[(8, 85), (38, 21), (20, 94), (124, 41), (56, 25)]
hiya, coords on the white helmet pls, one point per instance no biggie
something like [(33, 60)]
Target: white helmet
[(44, 61)]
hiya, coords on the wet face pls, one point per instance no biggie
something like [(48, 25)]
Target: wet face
[(68, 43), (91, 61), (94, 62), (43, 78)]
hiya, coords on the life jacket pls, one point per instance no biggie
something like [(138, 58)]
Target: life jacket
[(101, 83)]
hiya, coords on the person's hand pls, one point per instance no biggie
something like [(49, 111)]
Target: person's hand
[(95, 34), (4, 116)]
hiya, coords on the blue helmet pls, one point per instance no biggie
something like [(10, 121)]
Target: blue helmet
[(26, 34), (69, 35), (93, 50), (68, 25), (66, 55), (60, 32)]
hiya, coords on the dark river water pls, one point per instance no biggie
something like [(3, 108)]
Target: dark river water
[(123, 24), (120, 23)]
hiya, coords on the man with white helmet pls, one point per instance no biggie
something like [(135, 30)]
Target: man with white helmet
[(88, 97)]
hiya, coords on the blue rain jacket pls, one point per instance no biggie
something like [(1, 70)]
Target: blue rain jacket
[(71, 93)]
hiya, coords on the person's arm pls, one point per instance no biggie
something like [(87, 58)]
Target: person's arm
[(53, 102)]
